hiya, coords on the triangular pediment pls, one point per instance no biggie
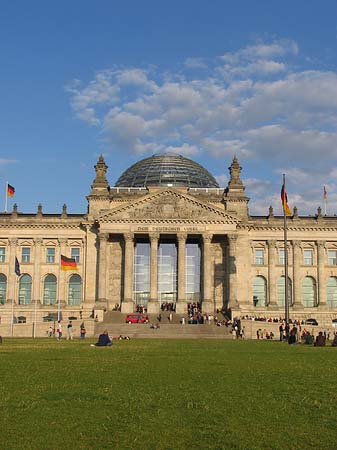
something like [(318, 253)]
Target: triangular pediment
[(168, 206)]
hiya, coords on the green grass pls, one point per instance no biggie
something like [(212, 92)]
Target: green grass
[(167, 395)]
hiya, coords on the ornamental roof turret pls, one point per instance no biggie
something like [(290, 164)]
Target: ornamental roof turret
[(235, 198), (100, 185), (99, 195)]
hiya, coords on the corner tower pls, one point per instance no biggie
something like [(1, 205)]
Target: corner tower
[(98, 198), (235, 199)]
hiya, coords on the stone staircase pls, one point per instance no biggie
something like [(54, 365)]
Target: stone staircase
[(114, 322)]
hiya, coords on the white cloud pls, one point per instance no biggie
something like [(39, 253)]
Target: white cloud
[(195, 63), (256, 103)]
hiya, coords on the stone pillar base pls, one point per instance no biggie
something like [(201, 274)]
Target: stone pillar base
[(207, 307), (127, 307), (273, 306), (296, 307), (99, 315), (101, 303), (181, 308), (323, 307), (153, 307)]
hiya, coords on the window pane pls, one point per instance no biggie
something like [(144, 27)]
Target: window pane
[(332, 292), (308, 257), (2, 254), (75, 290), (25, 290), (75, 253), (259, 291), (281, 256), (259, 256), (281, 291), (49, 290), (332, 257), (308, 292), (3, 288), (50, 258), (25, 256)]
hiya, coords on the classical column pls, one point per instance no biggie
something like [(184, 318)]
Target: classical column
[(297, 301), (37, 270), (272, 284), (181, 306), (233, 301), (128, 304), (61, 287), (153, 305), (12, 284), (102, 269), (207, 304), (321, 255)]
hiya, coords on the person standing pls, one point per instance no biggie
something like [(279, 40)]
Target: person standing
[(82, 331), (70, 331), (59, 331)]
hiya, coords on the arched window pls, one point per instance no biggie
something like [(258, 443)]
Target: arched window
[(260, 291), (281, 291), (309, 292), (75, 290), (3, 288), (332, 292), (49, 290), (25, 290)]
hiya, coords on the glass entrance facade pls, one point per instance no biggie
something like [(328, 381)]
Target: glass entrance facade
[(193, 260), (141, 285), (167, 272)]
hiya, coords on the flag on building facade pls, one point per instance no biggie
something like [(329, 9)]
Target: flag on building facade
[(17, 267), (284, 199), (68, 263), (10, 190)]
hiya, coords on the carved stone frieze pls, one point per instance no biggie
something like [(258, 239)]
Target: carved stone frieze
[(166, 206)]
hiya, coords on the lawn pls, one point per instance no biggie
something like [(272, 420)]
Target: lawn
[(151, 394)]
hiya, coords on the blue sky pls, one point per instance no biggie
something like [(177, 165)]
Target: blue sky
[(206, 79)]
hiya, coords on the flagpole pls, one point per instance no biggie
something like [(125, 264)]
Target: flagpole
[(324, 198), (6, 197), (13, 299), (286, 299), (34, 323), (58, 295)]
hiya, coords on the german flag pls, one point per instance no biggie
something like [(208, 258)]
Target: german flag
[(10, 190), (284, 199), (68, 263)]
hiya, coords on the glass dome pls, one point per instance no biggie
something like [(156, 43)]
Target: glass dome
[(167, 169)]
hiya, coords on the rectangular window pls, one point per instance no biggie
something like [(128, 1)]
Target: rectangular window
[(259, 257), (25, 255), (2, 254), (281, 256), (75, 253), (308, 258), (332, 257), (50, 256)]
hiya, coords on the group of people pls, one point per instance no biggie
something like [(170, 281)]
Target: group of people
[(105, 340), (258, 318), (58, 331), (168, 306), (141, 309)]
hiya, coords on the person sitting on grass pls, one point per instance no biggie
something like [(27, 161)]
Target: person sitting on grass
[(104, 340), (320, 340), (334, 342)]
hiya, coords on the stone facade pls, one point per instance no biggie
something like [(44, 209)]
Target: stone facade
[(241, 255)]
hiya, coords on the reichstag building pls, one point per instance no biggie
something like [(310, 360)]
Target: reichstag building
[(167, 232)]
